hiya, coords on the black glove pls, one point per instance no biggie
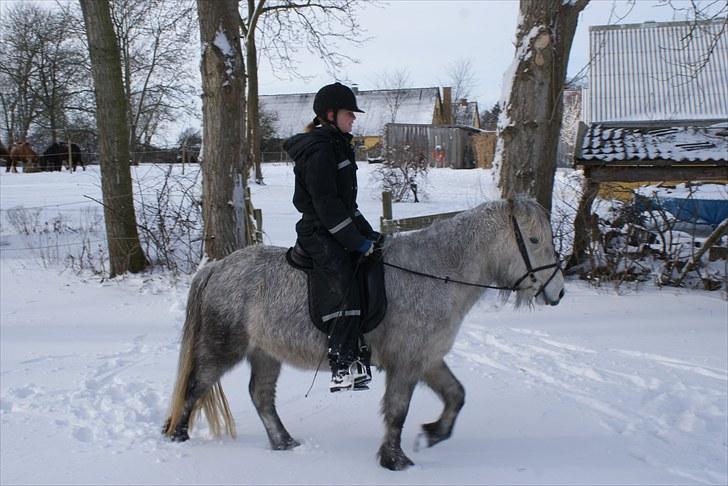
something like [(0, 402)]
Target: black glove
[(378, 239)]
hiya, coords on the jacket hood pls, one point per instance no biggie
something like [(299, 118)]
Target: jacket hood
[(298, 145)]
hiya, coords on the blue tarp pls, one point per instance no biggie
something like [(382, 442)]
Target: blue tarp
[(703, 211)]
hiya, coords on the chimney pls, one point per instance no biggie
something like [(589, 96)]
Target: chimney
[(463, 102), (355, 88), (447, 118)]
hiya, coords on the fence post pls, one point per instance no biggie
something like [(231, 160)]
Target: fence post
[(258, 214), (386, 205), (386, 211)]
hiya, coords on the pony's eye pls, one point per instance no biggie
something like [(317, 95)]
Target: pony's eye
[(533, 240)]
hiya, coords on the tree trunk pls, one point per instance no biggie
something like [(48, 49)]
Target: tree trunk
[(223, 112), (529, 127), (253, 111), (125, 251), (583, 224)]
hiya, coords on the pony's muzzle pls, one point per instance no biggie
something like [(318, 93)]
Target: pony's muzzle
[(556, 302)]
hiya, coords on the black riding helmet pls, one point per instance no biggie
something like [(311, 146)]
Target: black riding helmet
[(334, 97)]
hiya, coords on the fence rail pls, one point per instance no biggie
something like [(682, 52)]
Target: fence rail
[(388, 225)]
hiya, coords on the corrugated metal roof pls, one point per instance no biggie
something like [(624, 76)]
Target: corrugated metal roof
[(649, 71), (412, 105), (678, 144)]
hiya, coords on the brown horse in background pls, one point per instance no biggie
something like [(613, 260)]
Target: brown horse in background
[(22, 152)]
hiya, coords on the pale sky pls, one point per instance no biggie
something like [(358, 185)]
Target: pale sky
[(425, 36)]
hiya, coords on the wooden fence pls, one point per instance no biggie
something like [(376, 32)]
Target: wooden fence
[(388, 225)]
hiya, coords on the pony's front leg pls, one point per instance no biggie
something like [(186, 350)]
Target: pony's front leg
[(452, 394), (395, 405)]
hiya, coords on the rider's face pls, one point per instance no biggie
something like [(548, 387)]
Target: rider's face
[(344, 120)]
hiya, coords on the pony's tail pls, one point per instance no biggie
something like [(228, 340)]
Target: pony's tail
[(213, 401)]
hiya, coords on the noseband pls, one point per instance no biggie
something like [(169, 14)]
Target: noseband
[(530, 271)]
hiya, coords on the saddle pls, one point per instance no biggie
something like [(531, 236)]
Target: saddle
[(371, 279)]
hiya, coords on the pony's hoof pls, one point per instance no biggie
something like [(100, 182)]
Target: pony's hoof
[(180, 434), (286, 445), (431, 434), (394, 459)]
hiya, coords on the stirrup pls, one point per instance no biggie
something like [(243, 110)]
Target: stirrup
[(354, 378), (361, 373)]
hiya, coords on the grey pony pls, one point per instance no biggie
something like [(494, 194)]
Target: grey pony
[(253, 304)]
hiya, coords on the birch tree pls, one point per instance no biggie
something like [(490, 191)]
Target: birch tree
[(125, 251), (223, 125), (529, 126)]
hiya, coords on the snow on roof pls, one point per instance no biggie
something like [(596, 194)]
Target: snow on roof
[(679, 144), (411, 105)]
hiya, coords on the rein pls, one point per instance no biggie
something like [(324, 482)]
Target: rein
[(530, 271)]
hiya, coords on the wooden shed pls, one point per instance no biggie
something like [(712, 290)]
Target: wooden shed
[(441, 145)]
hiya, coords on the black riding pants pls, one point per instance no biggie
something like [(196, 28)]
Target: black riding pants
[(336, 291)]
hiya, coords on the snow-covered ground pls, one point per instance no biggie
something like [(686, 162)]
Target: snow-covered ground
[(607, 387)]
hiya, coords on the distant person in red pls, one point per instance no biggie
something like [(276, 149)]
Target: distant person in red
[(439, 155)]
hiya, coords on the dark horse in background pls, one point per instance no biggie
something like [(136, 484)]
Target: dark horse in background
[(57, 155), (4, 155), (22, 152)]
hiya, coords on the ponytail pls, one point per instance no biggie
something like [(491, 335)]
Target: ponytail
[(313, 124)]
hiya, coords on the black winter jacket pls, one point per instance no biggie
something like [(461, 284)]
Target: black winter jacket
[(326, 187)]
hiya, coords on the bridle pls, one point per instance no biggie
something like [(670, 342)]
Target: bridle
[(530, 270)]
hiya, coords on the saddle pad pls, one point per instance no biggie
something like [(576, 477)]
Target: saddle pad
[(370, 276)]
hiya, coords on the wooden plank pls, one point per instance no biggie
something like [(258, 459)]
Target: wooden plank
[(648, 174), (410, 224)]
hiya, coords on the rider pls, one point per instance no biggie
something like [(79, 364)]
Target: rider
[(332, 230)]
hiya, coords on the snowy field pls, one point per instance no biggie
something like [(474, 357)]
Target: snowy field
[(627, 387)]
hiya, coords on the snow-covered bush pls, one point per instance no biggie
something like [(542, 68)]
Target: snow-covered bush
[(402, 172)]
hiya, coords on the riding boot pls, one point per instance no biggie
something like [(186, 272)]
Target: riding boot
[(347, 370)]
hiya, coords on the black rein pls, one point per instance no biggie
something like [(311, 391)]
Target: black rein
[(530, 271)]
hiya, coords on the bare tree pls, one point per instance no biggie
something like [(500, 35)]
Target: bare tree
[(60, 75), (224, 136), (461, 77), (125, 251), (155, 41), (282, 27), (393, 83), (19, 50), (529, 133)]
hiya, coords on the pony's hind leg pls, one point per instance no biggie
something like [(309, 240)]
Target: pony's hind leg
[(395, 406), (194, 392), (452, 394), (199, 388), (264, 372)]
